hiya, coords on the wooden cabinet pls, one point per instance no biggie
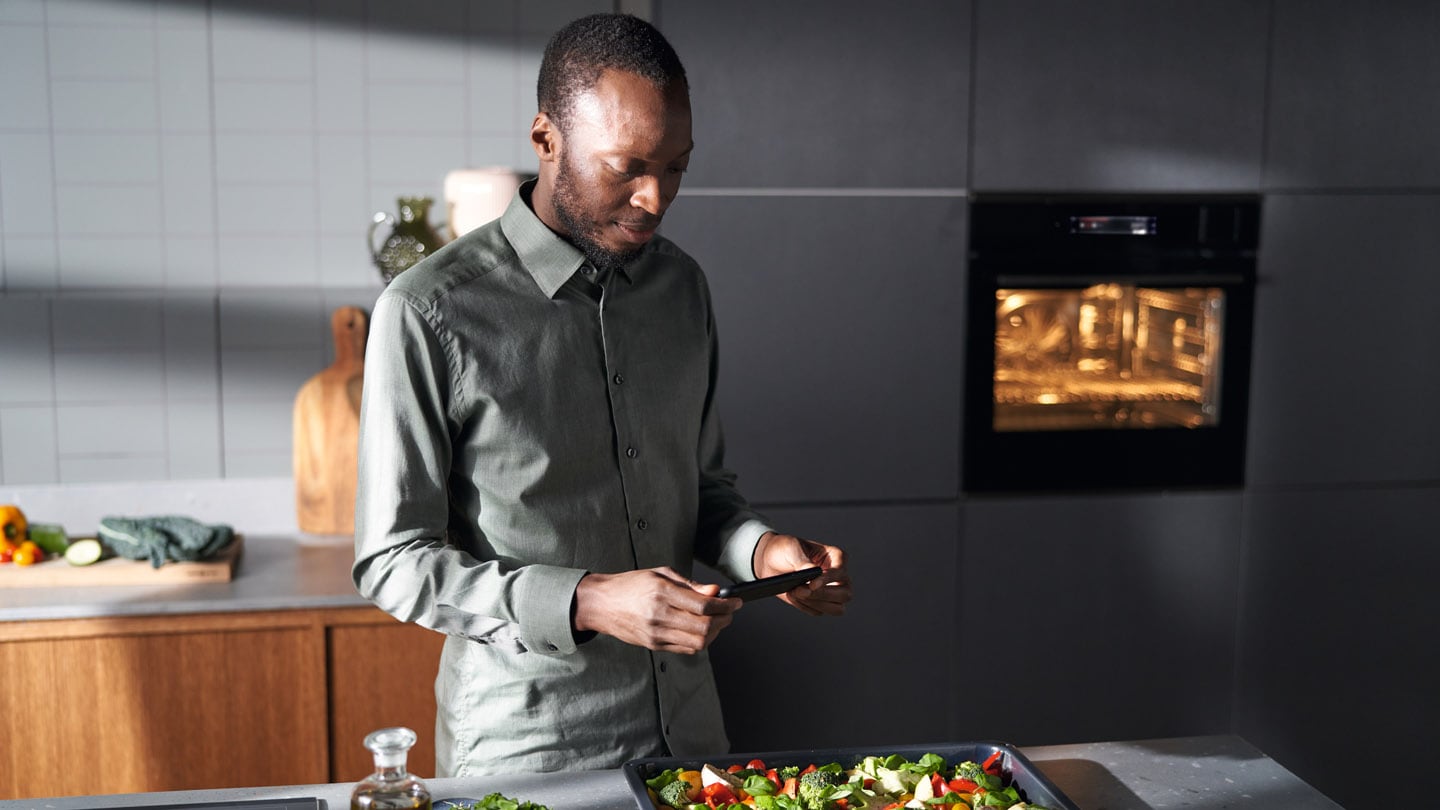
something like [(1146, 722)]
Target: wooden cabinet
[(138, 704)]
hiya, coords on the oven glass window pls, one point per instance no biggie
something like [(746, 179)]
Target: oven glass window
[(1108, 356)]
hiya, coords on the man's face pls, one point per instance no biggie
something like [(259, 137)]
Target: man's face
[(624, 150)]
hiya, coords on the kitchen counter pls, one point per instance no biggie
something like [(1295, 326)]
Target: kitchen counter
[(1207, 773), (275, 572)]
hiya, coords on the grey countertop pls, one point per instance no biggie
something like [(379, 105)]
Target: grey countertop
[(1200, 773), (275, 572)]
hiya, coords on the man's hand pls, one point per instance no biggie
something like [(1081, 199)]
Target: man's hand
[(655, 608), (824, 595)]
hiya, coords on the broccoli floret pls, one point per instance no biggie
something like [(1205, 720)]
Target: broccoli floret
[(789, 772), (816, 787), (676, 794), (973, 772)]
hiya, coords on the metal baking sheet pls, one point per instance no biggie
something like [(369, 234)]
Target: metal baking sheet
[(1028, 780)]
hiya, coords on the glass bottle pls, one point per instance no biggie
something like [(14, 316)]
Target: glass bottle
[(411, 237), (391, 787)]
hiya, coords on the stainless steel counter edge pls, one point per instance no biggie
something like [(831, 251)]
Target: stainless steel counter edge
[(1207, 772), (275, 572)]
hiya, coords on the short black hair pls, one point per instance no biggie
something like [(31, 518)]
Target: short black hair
[(578, 53)]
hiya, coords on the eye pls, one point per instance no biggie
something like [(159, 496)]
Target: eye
[(627, 172)]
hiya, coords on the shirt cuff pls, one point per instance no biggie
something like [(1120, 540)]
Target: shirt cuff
[(738, 557), (547, 592)]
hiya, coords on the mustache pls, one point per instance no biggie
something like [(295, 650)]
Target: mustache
[(642, 224)]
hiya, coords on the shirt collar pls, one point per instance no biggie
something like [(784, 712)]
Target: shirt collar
[(546, 256)]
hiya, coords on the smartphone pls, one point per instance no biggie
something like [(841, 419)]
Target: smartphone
[(769, 586)]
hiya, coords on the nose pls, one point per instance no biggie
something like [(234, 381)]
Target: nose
[(652, 194)]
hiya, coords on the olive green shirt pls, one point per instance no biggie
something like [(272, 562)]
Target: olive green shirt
[(524, 422)]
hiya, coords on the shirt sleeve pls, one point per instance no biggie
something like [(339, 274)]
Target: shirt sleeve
[(404, 562), (727, 529)]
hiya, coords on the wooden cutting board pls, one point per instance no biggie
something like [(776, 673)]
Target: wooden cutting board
[(56, 573), (327, 432)]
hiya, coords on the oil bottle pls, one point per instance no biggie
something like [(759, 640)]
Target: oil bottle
[(391, 787)]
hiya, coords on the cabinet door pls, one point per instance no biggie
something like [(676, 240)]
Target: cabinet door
[(381, 675), (162, 711)]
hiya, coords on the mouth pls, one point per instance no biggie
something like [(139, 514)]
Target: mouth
[(637, 232)]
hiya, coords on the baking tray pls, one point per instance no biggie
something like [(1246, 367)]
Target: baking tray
[(1019, 771)]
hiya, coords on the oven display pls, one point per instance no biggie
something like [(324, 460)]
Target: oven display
[(1114, 225), (1109, 356)]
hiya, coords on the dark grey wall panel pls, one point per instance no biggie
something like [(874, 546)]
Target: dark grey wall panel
[(1337, 640), (1098, 618), (824, 93), (882, 673), (1119, 94), (840, 335), (1345, 377), (1352, 98)]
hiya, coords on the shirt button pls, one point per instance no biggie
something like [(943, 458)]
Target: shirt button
[(642, 524), (619, 379), (663, 666), (631, 452), (587, 270)]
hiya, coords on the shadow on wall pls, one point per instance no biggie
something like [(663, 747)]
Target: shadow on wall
[(129, 386)]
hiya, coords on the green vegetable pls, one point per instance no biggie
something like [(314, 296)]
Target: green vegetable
[(662, 779), (49, 536), (998, 798), (84, 552), (676, 794), (789, 772), (818, 788), (928, 764), (496, 801), (973, 772), (758, 784)]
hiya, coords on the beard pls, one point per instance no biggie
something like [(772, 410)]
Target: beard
[(584, 234)]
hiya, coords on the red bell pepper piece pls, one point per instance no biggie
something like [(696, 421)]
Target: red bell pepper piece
[(937, 784), (717, 793), (808, 769), (791, 787), (962, 785)]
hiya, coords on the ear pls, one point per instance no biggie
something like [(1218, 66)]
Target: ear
[(545, 138)]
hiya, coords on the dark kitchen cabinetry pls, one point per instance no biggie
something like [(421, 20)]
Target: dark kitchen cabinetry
[(152, 703)]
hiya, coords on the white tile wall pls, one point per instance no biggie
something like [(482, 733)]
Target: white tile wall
[(184, 193)]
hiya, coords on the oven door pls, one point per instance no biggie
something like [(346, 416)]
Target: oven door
[(1104, 365)]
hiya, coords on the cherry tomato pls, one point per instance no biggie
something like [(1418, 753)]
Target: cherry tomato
[(27, 555)]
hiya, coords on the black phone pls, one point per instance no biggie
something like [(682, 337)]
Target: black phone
[(769, 586)]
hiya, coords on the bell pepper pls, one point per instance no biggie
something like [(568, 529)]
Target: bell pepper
[(990, 765), (717, 794), (12, 523)]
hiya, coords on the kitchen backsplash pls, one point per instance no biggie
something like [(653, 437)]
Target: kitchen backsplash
[(184, 193)]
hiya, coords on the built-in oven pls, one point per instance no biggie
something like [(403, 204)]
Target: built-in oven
[(1108, 341)]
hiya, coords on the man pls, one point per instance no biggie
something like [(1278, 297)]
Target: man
[(541, 458)]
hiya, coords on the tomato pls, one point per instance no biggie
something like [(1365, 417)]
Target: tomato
[(791, 787), (735, 768), (755, 765), (7, 554), (773, 776), (937, 784), (28, 555)]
